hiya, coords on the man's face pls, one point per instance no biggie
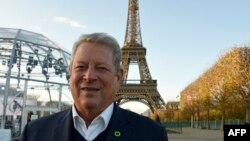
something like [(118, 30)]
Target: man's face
[(93, 81)]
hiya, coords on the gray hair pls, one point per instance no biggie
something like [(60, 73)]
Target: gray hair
[(100, 38)]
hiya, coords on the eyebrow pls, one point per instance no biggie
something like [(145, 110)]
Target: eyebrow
[(96, 63)]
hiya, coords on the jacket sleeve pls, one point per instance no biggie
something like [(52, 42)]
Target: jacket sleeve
[(163, 135)]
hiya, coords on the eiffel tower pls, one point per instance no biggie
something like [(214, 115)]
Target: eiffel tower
[(133, 52)]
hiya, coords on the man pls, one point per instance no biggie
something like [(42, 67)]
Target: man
[(95, 77)]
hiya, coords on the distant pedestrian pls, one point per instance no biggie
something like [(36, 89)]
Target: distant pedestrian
[(29, 116)]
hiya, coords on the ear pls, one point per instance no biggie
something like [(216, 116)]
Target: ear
[(120, 75)]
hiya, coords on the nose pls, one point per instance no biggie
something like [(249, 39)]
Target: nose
[(90, 74)]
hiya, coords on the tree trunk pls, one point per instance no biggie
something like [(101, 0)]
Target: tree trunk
[(208, 120), (223, 120), (248, 110), (192, 121)]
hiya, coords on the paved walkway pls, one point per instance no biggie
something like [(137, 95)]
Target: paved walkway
[(193, 134)]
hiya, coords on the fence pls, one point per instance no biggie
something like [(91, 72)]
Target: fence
[(202, 124)]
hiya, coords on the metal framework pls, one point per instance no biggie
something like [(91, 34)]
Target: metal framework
[(133, 52), (29, 61)]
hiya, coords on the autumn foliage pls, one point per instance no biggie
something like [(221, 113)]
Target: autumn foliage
[(222, 90)]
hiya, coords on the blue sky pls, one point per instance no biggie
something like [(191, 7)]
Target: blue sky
[(183, 37)]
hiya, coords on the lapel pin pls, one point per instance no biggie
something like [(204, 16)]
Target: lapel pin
[(117, 133)]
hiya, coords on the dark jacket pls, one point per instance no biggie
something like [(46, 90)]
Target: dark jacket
[(131, 126)]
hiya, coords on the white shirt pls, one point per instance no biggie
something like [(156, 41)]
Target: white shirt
[(97, 126)]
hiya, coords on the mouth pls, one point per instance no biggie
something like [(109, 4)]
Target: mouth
[(90, 89)]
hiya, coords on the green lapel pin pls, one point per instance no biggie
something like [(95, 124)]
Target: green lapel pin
[(117, 134)]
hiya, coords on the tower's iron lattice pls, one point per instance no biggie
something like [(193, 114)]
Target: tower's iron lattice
[(133, 52)]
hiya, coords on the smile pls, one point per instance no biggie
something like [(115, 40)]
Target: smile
[(89, 89)]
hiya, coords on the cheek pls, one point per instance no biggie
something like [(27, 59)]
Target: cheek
[(74, 81), (113, 84), (74, 78)]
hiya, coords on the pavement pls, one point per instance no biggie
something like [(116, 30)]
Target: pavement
[(193, 134)]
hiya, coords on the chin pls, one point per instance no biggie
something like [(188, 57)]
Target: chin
[(91, 105)]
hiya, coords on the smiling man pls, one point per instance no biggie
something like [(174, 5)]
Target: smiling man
[(95, 77)]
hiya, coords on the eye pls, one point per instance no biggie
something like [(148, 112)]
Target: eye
[(81, 66), (102, 68)]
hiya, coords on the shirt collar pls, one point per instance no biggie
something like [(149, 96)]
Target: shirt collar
[(105, 115)]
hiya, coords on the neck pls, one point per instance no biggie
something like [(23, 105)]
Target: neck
[(89, 116)]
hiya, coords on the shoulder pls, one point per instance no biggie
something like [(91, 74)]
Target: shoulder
[(49, 120), (140, 120), (43, 128), (141, 126)]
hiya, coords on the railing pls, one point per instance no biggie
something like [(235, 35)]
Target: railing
[(202, 124), (173, 127)]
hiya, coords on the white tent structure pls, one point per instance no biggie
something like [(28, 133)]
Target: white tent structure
[(35, 65)]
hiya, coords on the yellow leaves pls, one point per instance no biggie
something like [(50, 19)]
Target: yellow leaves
[(224, 80)]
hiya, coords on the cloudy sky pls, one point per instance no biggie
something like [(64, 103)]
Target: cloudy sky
[(183, 38)]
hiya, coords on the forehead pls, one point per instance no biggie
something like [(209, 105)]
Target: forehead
[(94, 51), (89, 46)]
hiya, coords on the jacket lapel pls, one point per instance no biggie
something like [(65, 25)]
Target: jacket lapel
[(63, 130), (119, 125)]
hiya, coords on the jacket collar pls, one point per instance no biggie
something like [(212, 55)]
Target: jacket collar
[(119, 126)]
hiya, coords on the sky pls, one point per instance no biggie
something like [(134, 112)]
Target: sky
[(183, 38)]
